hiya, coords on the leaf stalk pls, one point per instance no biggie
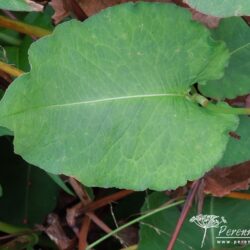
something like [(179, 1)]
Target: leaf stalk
[(23, 27), (11, 70), (204, 102), (228, 110)]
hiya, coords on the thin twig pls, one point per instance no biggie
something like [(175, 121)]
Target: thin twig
[(185, 210), (76, 9), (83, 234), (104, 227), (238, 195), (9, 14), (85, 199), (107, 200), (113, 215), (80, 192), (200, 196)]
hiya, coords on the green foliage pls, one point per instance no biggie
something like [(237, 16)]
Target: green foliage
[(236, 33), (24, 198), (60, 183), (20, 5), (110, 104), (238, 149), (221, 8), (155, 231)]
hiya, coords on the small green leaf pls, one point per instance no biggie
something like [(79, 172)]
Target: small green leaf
[(237, 150), (57, 179), (112, 102), (236, 33), (156, 231), (221, 8), (20, 5)]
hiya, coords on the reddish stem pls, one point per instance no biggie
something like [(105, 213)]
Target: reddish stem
[(184, 212), (76, 9), (238, 195), (83, 234), (107, 200)]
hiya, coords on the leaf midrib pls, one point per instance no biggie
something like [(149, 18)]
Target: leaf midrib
[(240, 48), (119, 98)]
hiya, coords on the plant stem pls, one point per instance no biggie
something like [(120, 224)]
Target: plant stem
[(106, 200), (133, 222), (9, 39), (204, 102), (184, 212), (23, 27), (74, 6), (11, 70), (238, 195), (10, 229), (103, 226), (83, 234), (9, 14), (228, 110)]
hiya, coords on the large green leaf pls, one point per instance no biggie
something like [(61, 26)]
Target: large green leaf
[(29, 194), (106, 100), (236, 81), (238, 149), (221, 8), (20, 5), (156, 230)]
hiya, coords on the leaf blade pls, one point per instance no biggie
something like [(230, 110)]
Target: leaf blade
[(221, 8), (235, 81), (20, 5), (120, 53)]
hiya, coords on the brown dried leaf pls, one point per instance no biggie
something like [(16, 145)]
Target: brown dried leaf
[(92, 7), (34, 6), (222, 181), (210, 21), (57, 234), (61, 10), (73, 214), (247, 101), (247, 19)]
